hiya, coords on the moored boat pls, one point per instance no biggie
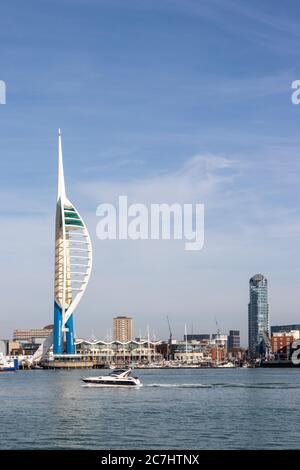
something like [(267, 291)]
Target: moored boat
[(226, 365), (8, 364)]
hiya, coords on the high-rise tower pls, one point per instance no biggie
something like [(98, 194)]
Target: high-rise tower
[(122, 328), (73, 264), (258, 316)]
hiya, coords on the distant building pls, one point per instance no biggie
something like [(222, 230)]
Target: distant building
[(218, 354), (282, 345), (196, 337), (8, 347), (23, 334), (284, 328), (237, 354), (122, 329), (3, 346), (30, 339), (258, 316), (186, 352), (163, 348), (219, 340), (234, 341)]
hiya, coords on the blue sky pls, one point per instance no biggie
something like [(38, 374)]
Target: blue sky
[(172, 101)]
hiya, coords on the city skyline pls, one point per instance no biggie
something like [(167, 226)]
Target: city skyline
[(150, 168), (206, 119)]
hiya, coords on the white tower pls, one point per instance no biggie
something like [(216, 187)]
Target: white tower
[(73, 264)]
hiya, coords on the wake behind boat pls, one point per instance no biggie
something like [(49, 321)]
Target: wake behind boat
[(116, 378)]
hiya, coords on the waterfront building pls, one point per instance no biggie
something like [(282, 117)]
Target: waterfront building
[(122, 328), (282, 345), (236, 354), (233, 340), (184, 351), (163, 348), (118, 352), (218, 354), (258, 316), (28, 340)]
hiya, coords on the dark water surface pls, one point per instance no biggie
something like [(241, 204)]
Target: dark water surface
[(176, 409)]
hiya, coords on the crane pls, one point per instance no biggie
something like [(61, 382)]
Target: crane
[(170, 338), (218, 326)]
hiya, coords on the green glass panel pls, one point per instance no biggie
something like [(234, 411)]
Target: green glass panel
[(74, 222), (72, 215)]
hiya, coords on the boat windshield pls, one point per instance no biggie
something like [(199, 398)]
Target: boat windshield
[(117, 372)]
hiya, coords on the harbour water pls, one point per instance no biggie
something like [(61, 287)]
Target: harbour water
[(175, 409)]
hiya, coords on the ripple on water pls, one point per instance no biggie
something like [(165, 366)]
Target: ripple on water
[(174, 409)]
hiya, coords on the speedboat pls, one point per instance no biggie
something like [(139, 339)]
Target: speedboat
[(116, 378)]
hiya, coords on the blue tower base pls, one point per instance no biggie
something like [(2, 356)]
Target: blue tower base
[(57, 331), (70, 346), (58, 347)]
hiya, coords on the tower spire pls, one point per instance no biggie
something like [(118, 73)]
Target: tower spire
[(61, 190)]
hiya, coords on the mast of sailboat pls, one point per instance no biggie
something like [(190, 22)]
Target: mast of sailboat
[(154, 346), (148, 338), (186, 345)]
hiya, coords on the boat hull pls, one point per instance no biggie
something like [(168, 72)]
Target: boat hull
[(121, 383)]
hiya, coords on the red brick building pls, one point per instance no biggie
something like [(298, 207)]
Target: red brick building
[(282, 345)]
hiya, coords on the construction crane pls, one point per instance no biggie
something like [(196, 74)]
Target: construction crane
[(170, 337), (218, 326)]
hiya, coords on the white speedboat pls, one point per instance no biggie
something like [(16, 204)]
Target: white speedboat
[(117, 378)]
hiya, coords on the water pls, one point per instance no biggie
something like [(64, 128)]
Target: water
[(176, 409)]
